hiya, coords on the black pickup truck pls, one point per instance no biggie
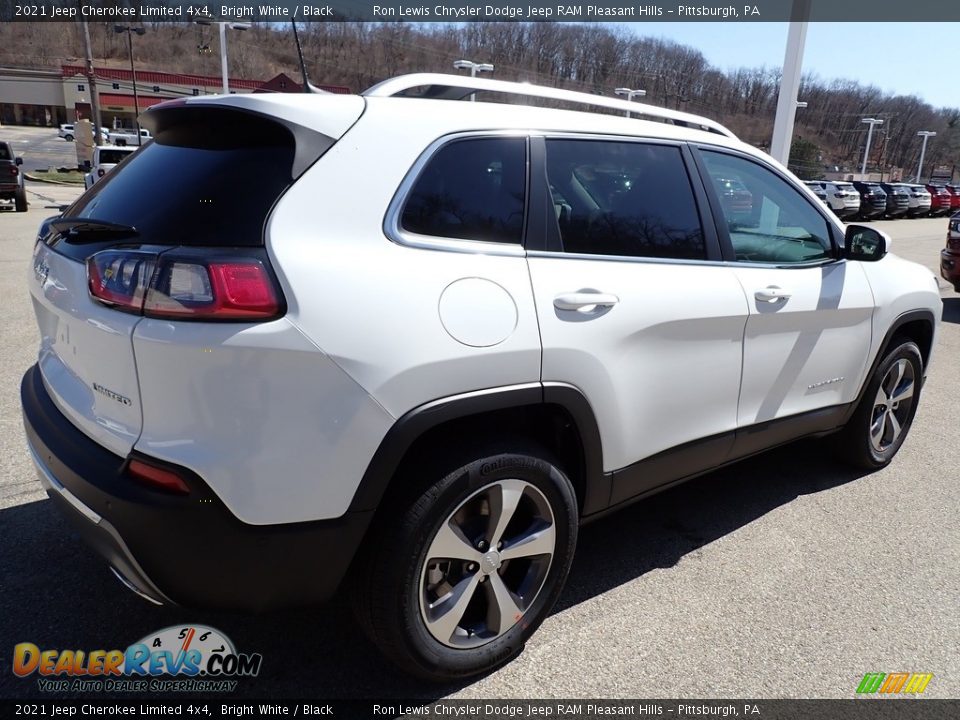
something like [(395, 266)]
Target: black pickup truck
[(11, 179)]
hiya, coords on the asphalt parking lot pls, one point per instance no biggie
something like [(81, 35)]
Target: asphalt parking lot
[(784, 576), (40, 148)]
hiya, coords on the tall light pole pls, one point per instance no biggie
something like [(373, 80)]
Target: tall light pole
[(223, 44), (133, 71), (790, 82), (866, 151), (474, 68), (923, 151), (92, 81), (629, 94)]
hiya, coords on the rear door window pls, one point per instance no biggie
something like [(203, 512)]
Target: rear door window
[(623, 198)]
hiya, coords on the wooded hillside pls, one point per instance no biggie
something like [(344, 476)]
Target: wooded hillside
[(592, 58)]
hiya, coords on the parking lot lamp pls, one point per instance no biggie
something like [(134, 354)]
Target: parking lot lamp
[(629, 94), (923, 150), (474, 68), (223, 43), (133, 71), (866, 151)]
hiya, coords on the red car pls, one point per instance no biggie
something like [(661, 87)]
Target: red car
[(941, 200), (950, 255), (955, 197)]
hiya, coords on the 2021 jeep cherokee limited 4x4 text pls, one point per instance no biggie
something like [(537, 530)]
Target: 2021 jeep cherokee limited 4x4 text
[(411, 344)]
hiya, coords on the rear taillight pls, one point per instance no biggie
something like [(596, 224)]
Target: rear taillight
[(210, 285), (159, 478), (119, 278), (14, 171), (235, 290)]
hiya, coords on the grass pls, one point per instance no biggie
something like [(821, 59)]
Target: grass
[(70, 176)]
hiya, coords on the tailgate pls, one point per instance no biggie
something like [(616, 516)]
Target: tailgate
[(86, 352), (205, 185)]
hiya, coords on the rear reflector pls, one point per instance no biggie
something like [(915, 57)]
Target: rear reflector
[(208, 285), (157, 477)]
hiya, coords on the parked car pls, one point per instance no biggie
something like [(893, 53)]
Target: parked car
[(873, 200), (842, 198), (954, 196), (11, 179), (105, 158), (818, 190), (919, 199), (950, 255), (474, 351), (941, 200), (67, 132), (736, 199), (129, 137), (898, 200)]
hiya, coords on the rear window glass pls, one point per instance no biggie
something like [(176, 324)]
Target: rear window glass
[(112, 157), (207, 178)]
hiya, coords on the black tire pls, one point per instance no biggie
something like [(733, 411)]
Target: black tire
[(68, 138), (397, 586), (20, 200), (857, 443)]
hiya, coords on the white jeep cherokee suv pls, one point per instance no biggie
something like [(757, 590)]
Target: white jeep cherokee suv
[(411, 344)]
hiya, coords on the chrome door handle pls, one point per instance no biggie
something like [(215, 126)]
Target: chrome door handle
[(772, 294), (580, 300)]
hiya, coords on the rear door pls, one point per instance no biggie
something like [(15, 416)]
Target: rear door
[(208, 180), (635, 308)]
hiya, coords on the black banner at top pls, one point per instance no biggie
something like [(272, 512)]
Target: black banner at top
[(205, 708), (639, 11)]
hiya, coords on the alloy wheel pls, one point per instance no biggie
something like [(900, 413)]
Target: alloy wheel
[(892, 405), (486, 564)]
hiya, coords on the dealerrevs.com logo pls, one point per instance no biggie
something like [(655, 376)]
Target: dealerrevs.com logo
[(194, 658)]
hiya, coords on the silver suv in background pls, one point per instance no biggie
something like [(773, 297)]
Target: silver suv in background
[(841, 197)]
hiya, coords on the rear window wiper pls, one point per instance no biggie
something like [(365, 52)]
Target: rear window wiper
[(80, 228)]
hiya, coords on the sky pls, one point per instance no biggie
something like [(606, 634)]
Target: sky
[(903, 58)]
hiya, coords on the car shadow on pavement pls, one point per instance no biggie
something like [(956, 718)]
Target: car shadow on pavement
[(659, 531), (57, 594), (951, 310)]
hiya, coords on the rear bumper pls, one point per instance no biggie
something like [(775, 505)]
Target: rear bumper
[(185, 550)]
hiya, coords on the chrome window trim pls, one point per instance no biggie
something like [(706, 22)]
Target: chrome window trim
[(548, 254), (397, 234)]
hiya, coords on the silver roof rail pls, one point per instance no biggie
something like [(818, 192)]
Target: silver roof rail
[(456, 87)]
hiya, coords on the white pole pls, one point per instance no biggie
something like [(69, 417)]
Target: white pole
[(923, 151), (866, 150), (223, 57), (790, 82)]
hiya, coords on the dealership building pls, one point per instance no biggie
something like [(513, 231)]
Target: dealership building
[(48, 98)]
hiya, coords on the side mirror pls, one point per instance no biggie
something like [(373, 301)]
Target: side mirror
[(86, 165), (865, 243), (19, 161)]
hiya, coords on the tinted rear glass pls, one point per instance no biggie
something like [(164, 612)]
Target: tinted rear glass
[(206, 179), (108, 157)]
